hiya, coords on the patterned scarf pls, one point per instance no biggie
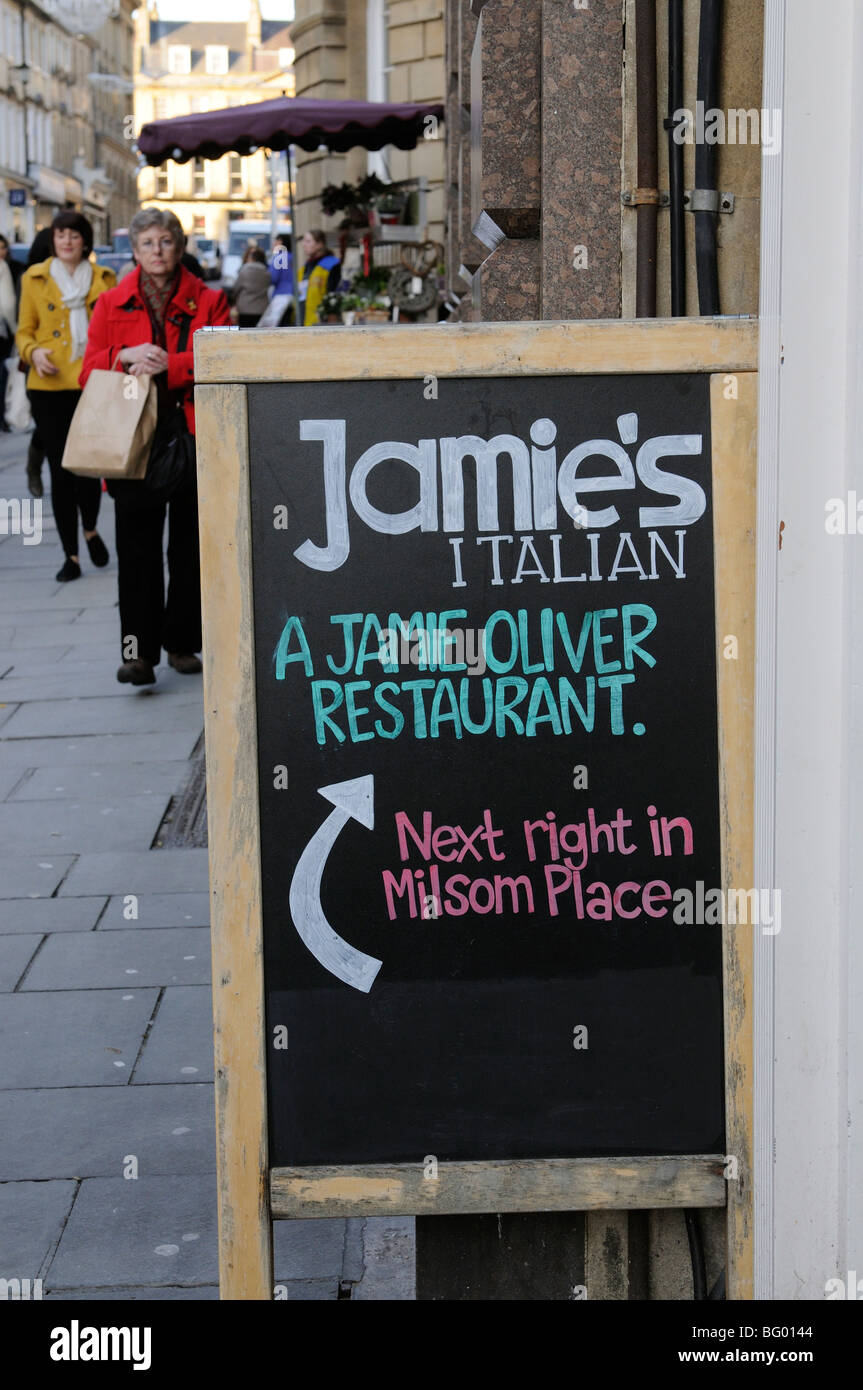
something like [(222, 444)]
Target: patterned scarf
[(157, 297)]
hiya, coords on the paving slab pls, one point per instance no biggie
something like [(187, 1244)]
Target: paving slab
[(9, 778), (35, 657), (77, 1038), (308, 1249), (100, 613), (156, 910), (89, 1131), (78, 826), (32, 1216), (22, 876), (17, 617), (22, 590), (111, 960), (35, 599), (64, 683), (204, 1292), (179, 1046), (35, 558), (100, 593), (95, 749), (153, 1231), (147, 871), (389, 1245), (7, 711), (23, 915), (87, 680), (139, 714), (89, 783), (54, 634), (307, 1290), (16, 952)]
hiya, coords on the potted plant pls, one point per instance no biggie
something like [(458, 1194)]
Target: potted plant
[(351, 303), (355, 200), (330, 308), (377, 310)]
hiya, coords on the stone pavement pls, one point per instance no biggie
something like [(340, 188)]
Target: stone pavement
[(107, 1150)]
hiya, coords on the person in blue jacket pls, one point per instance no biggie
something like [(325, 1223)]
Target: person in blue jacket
[(282, 277), (281, 272)]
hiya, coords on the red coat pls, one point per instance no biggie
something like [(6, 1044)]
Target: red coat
[(120, 320)]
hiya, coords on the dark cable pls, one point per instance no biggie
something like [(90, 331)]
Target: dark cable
[(706, 266), (696, 1255)]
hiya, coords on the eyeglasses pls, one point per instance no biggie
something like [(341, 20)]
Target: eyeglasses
[(164, 243)]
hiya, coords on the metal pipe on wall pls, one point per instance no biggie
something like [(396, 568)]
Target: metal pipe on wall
[(706, 219), (647, 193), (675, 158)]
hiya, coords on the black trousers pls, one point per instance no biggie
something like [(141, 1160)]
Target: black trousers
[(145, 615), (52, 413)]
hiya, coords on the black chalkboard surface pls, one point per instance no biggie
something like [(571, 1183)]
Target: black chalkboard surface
[(487, 728)]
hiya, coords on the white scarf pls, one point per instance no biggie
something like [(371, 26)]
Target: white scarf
[(74, 289)]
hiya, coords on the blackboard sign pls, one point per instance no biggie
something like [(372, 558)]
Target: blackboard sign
[(499, 730), (482, 669)]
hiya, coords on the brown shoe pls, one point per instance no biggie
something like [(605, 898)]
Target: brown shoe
[(185, 662), (139, 672)]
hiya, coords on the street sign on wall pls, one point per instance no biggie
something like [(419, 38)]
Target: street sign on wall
[(481, 802)]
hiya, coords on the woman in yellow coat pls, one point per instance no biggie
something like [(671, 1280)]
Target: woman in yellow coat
[(57, 300)]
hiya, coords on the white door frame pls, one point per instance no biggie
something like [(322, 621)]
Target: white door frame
[(809, 725)]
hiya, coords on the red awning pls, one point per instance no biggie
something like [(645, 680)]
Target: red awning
[(273, 125)]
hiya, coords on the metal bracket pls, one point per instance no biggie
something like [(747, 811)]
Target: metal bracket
[(707, 200), (639, 196)]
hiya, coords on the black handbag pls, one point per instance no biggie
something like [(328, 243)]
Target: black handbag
[(172, 467)]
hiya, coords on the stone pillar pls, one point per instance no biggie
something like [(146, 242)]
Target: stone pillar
[(581, 143), (506, 153), (320, 66), (463, 252), (543, 162)]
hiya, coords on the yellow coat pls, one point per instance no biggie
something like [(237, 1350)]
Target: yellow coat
[(43, 322)]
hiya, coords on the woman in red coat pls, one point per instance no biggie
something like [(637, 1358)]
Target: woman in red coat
[(141, 322)]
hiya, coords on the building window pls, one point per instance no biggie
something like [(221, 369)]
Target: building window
[(161, 108), (237, 189), (286, 57), (199, 186), (216, 58), (179, 58), (163, 182)]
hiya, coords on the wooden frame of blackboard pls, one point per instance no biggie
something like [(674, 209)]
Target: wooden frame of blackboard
[(250, 1195)]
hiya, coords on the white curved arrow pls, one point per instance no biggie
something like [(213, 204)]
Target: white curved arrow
[(353, 799)]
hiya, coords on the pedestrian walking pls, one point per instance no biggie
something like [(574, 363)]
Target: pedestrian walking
[(320, 276), (41, 247), (15, 267), (8, 325), (147, 323), (282, 280), (58, 296), (250, 291)]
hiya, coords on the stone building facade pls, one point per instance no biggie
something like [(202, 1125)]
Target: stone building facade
[(187, 66), (366, 50), (64, 99), (541, 155)]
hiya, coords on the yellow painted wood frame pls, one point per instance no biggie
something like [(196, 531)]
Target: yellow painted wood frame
[(249, 1194)]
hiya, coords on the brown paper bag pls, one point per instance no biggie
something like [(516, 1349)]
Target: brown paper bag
[(113, 426)]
